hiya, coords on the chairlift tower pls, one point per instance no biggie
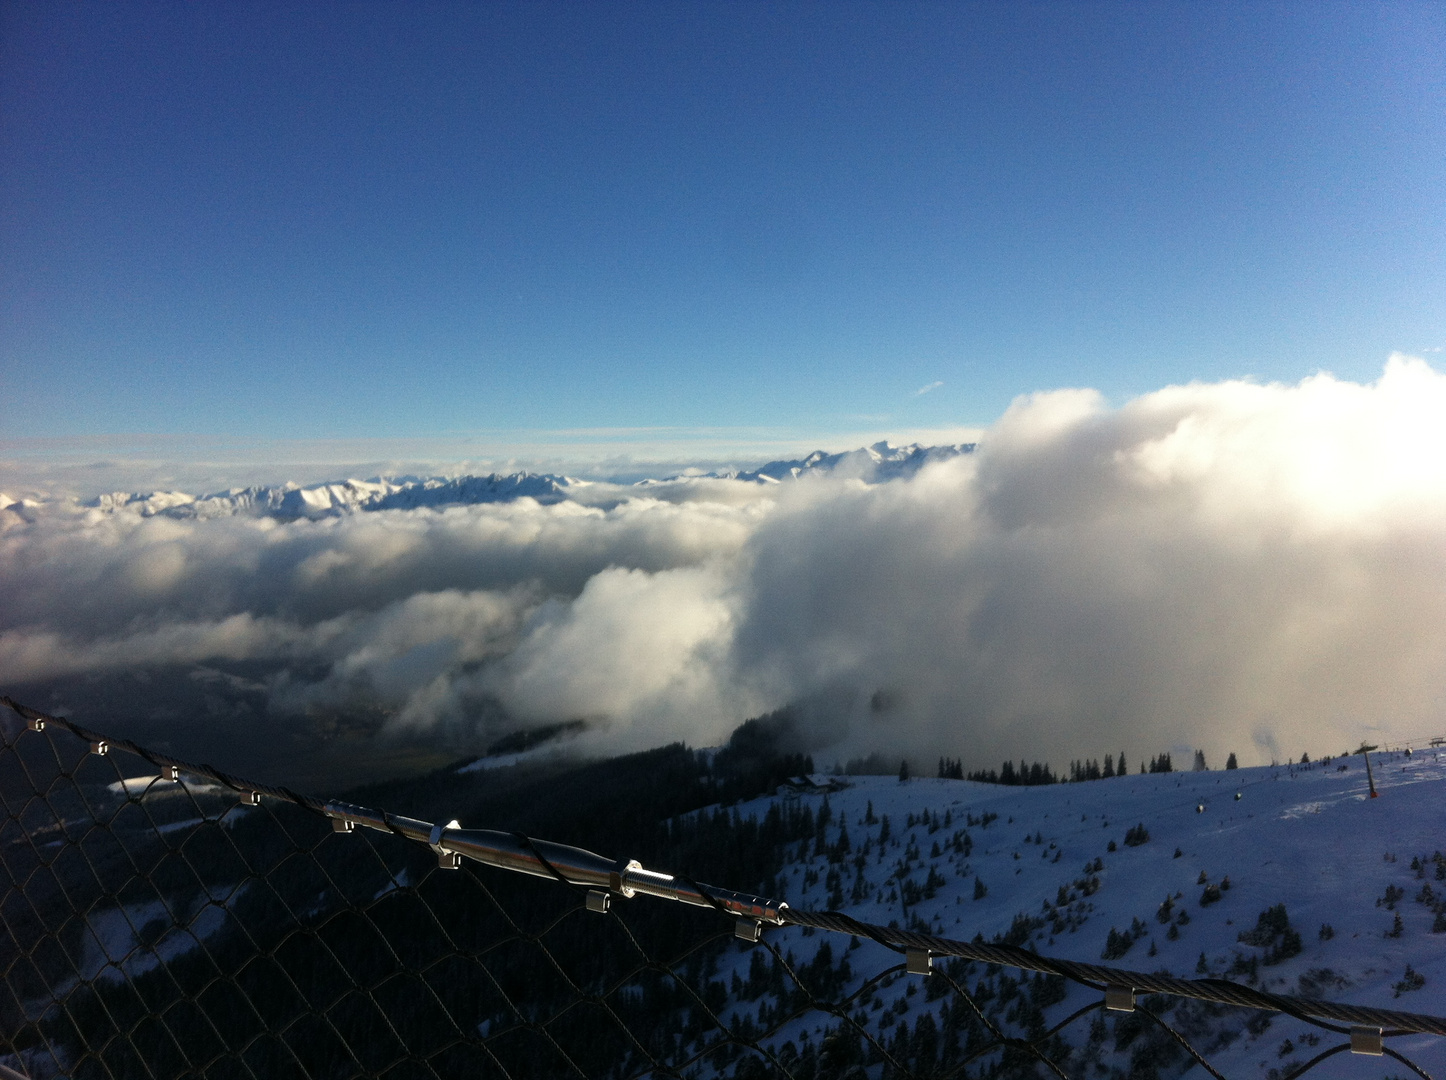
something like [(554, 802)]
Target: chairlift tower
[(1365, 752)]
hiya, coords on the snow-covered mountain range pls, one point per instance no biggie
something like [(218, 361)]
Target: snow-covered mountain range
[(345, 496), (878, 463), (872, 464)]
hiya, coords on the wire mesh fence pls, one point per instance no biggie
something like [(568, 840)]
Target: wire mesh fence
[(165, 919)]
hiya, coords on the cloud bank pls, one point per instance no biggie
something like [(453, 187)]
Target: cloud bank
[(1238, 567)]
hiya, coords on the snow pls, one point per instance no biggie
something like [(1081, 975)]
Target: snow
[(290, 501), (131, 939), (546, 752), (878, 463), (1308, 837), (155, 785)]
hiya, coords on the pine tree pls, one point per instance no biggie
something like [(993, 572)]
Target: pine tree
[(1230, 762), (903, 771)]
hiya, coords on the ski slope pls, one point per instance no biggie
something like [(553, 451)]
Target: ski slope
[(1308, 837)]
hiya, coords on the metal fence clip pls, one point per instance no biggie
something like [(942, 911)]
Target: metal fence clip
[(748, 930), (1366, 1040), (1120, 998)]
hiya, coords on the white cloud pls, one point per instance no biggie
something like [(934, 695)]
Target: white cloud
[(930, 388), (1235, 566)]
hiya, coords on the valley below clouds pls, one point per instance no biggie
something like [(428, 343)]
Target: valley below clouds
[(1230, 566)]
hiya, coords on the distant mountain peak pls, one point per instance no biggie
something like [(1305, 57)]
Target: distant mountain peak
[(345, 496), (881, 462), (878, 463)]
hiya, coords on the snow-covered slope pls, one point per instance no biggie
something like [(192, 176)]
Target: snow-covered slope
[(1034, 866)]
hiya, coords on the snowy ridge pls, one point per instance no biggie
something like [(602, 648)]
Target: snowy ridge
[(1362, 883), (344, 497), (874, 464)]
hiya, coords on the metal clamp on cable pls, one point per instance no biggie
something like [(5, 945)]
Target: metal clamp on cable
[(170, 772), (35, 724), (1366, 1040), (100, 746), (598, 901), (342, 825), (918, 962), (251, 798), (446, 860), (1120, 998)]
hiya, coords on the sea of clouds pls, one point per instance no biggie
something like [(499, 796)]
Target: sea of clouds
[(1231, 566)]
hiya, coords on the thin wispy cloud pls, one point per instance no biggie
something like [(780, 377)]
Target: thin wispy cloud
[(928, 389)]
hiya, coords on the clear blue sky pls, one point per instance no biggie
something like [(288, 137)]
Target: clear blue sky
[(335, 220)]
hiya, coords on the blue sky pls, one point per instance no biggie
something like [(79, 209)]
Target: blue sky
[(410, 220)]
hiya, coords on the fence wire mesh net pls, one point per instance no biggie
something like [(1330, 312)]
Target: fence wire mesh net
[(170, 923)]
